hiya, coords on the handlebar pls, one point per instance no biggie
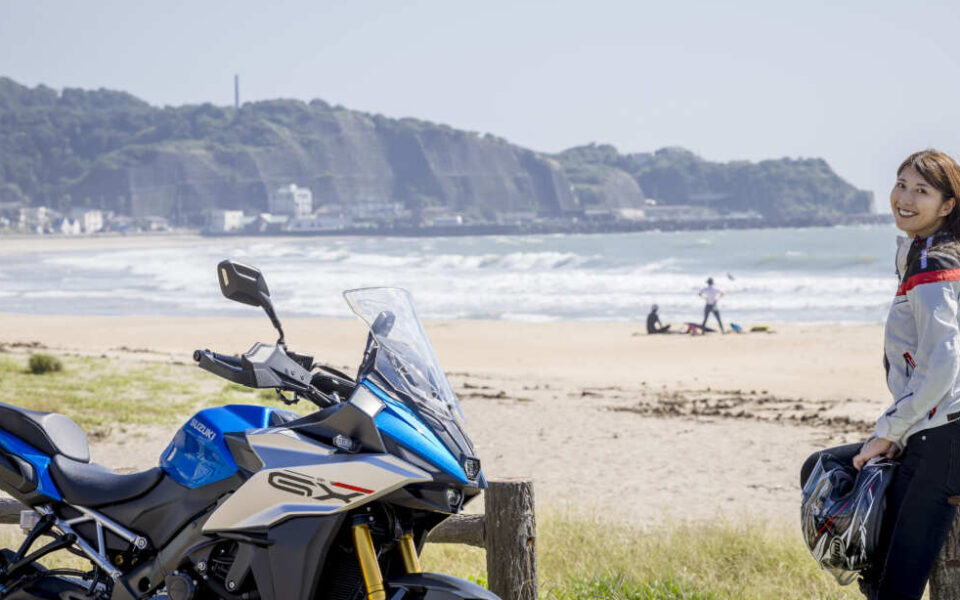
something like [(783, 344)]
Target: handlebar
[(228, 367), (243, 372)]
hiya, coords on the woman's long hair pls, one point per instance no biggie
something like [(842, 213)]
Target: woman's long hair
[(943, 174)]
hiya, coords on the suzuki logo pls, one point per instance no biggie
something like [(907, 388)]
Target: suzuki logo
[(311, 487), (203, 430)]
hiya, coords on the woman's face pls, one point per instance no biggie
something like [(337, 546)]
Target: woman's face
[(918, 207)]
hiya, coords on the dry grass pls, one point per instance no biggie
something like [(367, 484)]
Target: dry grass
[(583, 557)]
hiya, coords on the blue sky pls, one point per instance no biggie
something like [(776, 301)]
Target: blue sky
[(860, 83)]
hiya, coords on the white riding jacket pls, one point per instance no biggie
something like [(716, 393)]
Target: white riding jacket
[(921, 349)]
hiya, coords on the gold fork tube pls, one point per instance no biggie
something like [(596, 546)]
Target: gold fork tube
[(367, 555), (409, 551)]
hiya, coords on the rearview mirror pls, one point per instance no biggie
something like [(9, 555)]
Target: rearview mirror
[(246, 284), (242, 283)]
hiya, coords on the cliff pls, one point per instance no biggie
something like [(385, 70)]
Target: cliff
[(110, 150), (777, 189)]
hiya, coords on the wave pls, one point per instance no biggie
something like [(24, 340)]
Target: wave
[(820, 276)]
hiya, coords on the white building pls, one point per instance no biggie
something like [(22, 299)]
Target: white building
[(448, 221), (33, 217), (91, 221), (225, 221), (292, 200), (66, 226), (319, 222)]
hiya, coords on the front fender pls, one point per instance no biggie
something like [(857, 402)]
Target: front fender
[(437, 586)]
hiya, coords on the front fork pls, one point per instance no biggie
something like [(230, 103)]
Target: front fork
[(367, 556)]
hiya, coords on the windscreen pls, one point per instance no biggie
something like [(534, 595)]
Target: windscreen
[(404, 357)]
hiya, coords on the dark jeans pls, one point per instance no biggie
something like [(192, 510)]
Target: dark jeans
[(711, 308), (917, 516)]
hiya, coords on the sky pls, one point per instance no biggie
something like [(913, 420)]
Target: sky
[(859, 83)]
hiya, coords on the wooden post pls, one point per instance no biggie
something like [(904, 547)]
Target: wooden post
[(10, 511), (459, 529), (511, 539), (945, 578)]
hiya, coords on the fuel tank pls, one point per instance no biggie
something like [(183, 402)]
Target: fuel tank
[(198, 454)]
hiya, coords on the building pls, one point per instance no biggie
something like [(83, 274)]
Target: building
[(267, 223), (319, 222), (448, 221), (33, 218), (66, 226), (91, 221), (292, 201), (225, 221)]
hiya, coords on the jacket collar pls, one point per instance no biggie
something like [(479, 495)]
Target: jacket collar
[(905, 245), (935, 239)]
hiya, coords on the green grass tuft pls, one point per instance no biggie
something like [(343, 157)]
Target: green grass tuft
[(44, 363)]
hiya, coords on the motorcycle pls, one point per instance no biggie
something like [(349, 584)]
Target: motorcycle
[(254, 502)]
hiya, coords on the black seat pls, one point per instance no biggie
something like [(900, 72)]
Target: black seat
[(51, 433), (92, 485)]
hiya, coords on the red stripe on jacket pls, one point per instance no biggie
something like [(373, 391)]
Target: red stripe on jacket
[(928, 277)]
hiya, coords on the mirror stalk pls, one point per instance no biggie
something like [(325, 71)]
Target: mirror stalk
[(268, 308)]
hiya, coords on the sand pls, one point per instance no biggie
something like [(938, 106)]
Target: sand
[(601, 418)]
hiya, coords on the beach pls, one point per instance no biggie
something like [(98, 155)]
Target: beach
[(599, 415)]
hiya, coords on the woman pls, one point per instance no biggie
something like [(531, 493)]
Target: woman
[(921, 428)]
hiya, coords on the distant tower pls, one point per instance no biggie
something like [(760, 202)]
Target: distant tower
[(236, 92)]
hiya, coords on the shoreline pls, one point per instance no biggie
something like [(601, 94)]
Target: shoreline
[(22, 243)]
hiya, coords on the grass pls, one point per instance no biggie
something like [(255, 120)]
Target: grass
[(102, 394), (581, 557)]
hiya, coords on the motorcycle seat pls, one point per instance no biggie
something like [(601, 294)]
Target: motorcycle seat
[(51, 433), (92, 485)]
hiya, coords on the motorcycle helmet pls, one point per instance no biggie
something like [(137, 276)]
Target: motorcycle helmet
[(841, 513)]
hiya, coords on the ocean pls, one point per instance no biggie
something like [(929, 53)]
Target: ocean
[(833, 275)]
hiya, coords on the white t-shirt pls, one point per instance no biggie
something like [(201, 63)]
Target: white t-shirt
[(711, 294)]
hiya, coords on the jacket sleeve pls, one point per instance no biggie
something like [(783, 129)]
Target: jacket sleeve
[(934, 305)]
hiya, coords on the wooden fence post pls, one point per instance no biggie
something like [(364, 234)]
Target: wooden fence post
[(945, 578), (10, 511), (511, 539)]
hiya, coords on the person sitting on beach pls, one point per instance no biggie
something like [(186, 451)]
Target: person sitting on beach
[(653, 322), (921, 356), (712, 295)]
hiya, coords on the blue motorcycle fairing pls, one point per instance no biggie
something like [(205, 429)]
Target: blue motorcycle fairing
[(403, 425), (39, 460), (198, 454)]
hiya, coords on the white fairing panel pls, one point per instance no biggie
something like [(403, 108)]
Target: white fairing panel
[(301, 477)]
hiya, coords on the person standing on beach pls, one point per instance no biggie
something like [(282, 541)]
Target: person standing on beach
[(712, 295), (921, 428)]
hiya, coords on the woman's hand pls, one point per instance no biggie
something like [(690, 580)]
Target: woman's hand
[(874, 447)]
